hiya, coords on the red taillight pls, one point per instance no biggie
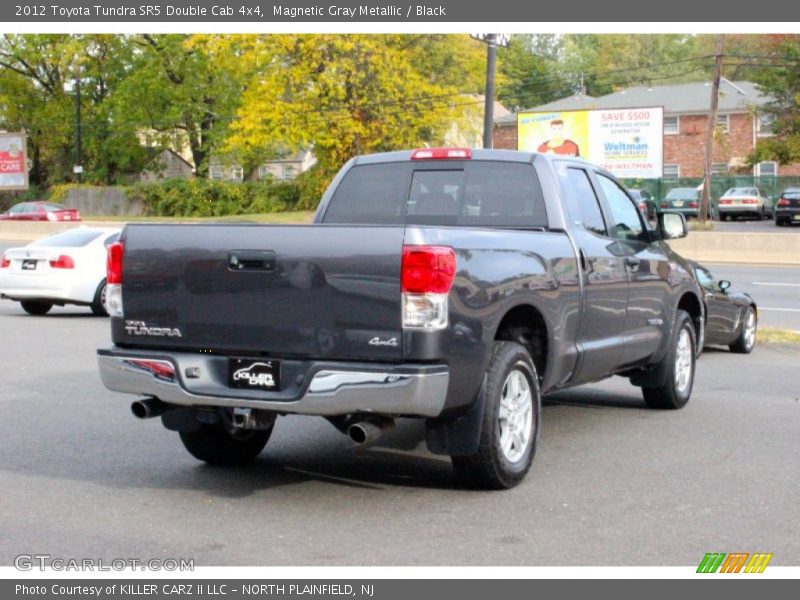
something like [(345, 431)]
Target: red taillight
[(427, 269), (664, 205), (114, 263), (441, 154), (62, 262), (725, 201), (692, 204), (749, 201), (781, 202), (5, 263), (159, 368)]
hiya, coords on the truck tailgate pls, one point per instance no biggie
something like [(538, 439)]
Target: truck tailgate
[(275, 290)]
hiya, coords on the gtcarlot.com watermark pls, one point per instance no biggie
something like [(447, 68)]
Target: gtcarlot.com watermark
[(45, 562)]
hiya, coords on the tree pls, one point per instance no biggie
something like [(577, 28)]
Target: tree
[(531, 73), (781, 83), (350, 94), (179, 91)]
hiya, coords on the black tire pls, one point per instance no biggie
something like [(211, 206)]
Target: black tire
[(215, 445), (744, 344), (36, 307), (700, 339), (671, 394), (490, 468), (98, 305)]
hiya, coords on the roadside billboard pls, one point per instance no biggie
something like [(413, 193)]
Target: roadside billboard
[(13, 161), (628, 142)]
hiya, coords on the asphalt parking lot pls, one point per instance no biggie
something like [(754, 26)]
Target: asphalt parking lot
[(612, 483)]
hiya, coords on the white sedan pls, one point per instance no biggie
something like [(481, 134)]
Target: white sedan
[(64, 268)]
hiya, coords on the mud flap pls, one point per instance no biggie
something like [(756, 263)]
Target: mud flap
[(459, 436)]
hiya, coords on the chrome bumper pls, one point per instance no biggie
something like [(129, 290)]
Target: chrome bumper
[(329, 389)]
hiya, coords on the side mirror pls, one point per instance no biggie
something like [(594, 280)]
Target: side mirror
[(672, 225), (724, 285)]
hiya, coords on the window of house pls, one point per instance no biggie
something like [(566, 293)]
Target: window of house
[(215, 172), (723, 122), (764, 125), (264, 172), (767, 169), (719, 168), (289, 171), (672, 171), (672, 125), (237, 173)]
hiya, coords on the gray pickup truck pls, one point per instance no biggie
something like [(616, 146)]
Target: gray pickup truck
[(456, 286)]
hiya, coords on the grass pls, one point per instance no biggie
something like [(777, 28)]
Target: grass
[(302, 216), (698, 226), (769, 335)]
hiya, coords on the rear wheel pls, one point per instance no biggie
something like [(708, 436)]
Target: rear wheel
[(217, 445), (98, 305), (676, 369), (36, 307), (746, 341), (510, 425)]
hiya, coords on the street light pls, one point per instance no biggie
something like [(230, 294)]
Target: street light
[(492, 41)]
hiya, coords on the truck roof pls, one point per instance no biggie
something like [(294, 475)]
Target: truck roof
[(477, 154)]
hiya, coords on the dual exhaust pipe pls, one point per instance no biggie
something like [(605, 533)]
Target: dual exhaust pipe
[(363, 432)]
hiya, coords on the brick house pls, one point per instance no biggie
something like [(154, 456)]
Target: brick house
[(739, 125)]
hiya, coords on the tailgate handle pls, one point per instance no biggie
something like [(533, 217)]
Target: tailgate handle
[(251, 260)]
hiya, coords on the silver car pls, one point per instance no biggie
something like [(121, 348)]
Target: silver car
[(742, 202)]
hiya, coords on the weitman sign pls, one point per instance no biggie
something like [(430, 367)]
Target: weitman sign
[(628, 142)]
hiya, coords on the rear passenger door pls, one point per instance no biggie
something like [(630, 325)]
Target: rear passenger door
[(604, 276), (647, 267)]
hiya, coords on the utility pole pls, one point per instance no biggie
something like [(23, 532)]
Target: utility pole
[(492, 41), (488, 107), (78, 158), (705, 200)]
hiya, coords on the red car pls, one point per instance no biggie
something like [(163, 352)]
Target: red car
[(40, 211)]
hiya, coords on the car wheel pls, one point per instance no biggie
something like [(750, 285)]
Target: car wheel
[(746, 341), (510, 425), (676, 369), (36, 307), (217, 445), (99, 303)]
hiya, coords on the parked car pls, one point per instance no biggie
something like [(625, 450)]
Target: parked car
[(451, 285), (731, 317), (40, 211), (644, 201), (787, 208), (686, 201), (744, 202), (64, 268)]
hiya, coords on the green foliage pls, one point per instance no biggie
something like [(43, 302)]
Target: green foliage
[(312, 185), (783, 86), (206, 198)]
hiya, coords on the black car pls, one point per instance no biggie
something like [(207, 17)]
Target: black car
[(731, 317), (787, 208)]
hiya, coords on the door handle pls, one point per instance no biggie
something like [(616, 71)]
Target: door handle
[(632, 262), (251, 260)]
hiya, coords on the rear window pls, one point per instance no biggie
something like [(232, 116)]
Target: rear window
[(70, 239), (791, 194), (53, 206), (742, 192), (683, 194), (480, 193)]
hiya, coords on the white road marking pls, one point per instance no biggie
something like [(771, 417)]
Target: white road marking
[(778, 284)]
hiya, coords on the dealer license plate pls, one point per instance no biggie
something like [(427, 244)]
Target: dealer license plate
[(29, 265), (254, 374)]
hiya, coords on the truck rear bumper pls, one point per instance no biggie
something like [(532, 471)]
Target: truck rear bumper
[(325, 388)]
